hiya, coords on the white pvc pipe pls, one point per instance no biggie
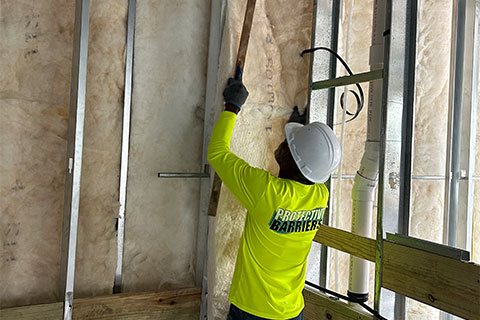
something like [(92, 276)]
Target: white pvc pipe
[(359, 268), (363, 193), (363, 196), (342, 141)]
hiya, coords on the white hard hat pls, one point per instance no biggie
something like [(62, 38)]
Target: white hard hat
[(315, 149)]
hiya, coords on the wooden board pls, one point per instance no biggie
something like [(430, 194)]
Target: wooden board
[(444, 283), (321, 306), (181, 304), (347, 242), (240, 63), (37, 312)]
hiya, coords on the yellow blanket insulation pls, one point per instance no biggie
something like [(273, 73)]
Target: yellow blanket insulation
[(171, 47), (36, 64), (35, 59)]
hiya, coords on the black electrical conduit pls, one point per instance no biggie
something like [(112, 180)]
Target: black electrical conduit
[(347, 298), (358, 96)]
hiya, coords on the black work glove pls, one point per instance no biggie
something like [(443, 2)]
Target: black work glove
[(235, 93), (297, 117)]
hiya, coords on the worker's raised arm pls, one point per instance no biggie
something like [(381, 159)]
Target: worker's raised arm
[(245, 182)]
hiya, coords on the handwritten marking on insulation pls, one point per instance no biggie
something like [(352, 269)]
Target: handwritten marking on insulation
[(30, 36), (10, 235), (269, 72), (32, 23), (19, 186)]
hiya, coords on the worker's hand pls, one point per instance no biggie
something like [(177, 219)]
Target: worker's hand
[(235, 93)]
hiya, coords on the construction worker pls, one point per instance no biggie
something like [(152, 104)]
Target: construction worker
[(283, 214)]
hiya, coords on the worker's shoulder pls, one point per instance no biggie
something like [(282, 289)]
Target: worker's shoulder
[(322, 187)]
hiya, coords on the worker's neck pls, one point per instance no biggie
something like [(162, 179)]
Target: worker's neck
[(287, 174), (282, 174)]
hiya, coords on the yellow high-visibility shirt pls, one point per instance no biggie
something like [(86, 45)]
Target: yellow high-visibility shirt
[(282, 218)]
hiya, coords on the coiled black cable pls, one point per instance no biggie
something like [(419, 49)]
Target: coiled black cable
[(358, 96), (347, 298)]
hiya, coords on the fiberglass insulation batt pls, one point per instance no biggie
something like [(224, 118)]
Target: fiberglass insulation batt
[(36, 66), (35, 59), (171, 46)]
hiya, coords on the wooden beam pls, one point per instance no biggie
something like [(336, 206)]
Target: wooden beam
[(321, 306), (37, 312), (181, 304), (347, 242), (444, 283), (245, 37), (240, 63)]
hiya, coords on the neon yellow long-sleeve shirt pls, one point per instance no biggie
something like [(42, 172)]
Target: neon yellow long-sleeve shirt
[(282, 218)]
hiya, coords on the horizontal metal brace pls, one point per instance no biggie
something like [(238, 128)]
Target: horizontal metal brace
[(419, 177), (204, 174), (428, 246), (183, 175), (346, 80)]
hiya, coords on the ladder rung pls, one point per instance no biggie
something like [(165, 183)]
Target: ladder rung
[(346, 80)]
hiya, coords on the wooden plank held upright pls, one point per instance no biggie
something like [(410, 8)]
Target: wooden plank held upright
[(239, 65)]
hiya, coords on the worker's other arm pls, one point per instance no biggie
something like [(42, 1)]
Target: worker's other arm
[(245, 182)]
